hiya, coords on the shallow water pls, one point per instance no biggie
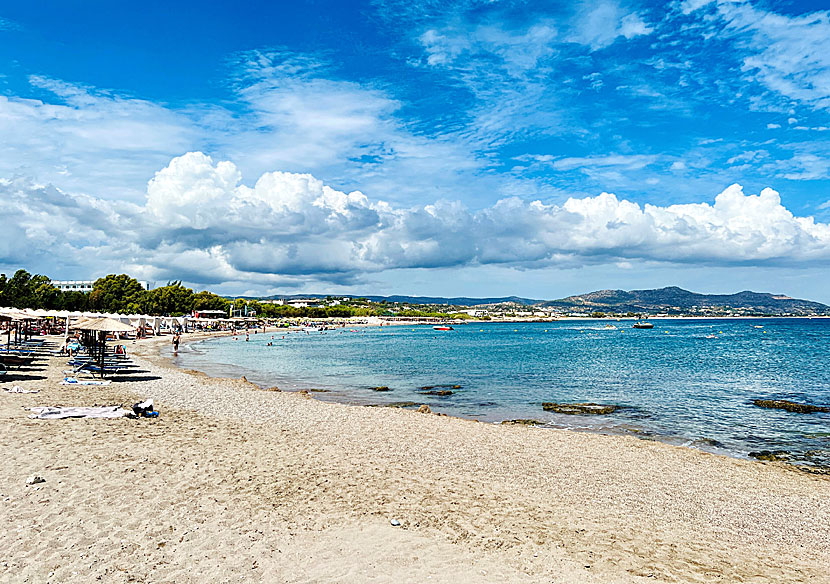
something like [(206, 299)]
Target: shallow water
[(673, 382)]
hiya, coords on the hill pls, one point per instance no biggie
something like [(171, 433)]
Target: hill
[(454, 301), (674, 300)]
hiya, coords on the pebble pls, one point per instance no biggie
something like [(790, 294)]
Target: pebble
[(395, 523)]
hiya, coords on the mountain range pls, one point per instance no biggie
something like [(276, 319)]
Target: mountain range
[(674, 300), (671, 299)]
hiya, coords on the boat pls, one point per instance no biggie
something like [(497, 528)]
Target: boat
[(643, 325), (610, 327), (443, 327)]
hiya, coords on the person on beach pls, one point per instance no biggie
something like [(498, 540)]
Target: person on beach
[(176, 340)]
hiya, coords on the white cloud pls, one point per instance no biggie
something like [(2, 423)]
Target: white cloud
[(600, 24), (6, 24), (790, 55), (518, 51), (290, 116), (90, 141), (201, 223), (689, 6), (626, 161)]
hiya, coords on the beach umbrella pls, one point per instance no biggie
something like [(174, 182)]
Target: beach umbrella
[(103, 324), (97, 328)]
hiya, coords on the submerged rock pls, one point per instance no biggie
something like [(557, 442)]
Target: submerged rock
[(579, 409), (790, 406), (770, 455), (315, 390), (380, 388), (522, 422), (441, 392), (403, 404), (440, 386)]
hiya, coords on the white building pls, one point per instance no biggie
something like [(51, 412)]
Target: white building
[(86, 285)]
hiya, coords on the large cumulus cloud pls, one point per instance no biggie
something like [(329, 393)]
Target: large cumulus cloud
[(200, 222)]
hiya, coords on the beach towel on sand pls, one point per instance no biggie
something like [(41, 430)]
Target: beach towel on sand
[(74, 381), (50, 413)]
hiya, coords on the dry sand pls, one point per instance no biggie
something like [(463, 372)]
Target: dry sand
[(237, 484)]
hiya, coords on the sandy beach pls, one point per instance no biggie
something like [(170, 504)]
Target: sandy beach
[(233, 483)]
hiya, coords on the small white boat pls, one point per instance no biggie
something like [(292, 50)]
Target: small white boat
[(642, 325)]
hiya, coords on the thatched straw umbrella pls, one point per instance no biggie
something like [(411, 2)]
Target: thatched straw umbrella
[(17, 317), (97, 329)]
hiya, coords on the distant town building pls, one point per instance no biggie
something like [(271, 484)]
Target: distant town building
[(86, 285)]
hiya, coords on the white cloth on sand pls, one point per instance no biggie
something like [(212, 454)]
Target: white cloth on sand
[(18, 389), (51, 413)]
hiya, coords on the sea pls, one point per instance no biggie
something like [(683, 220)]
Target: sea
[(688, 382)]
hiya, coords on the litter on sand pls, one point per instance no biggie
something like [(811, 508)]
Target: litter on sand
[(52, 413)]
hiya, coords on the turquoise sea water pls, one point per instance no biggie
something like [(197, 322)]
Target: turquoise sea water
[(673, 382)]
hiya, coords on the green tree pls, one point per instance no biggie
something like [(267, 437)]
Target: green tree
[(45, 295), (74, 300), (22, 291), (117, 294), (172, 300), (205, 300)]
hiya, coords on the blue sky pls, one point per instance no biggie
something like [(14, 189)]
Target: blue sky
[(477, 148)]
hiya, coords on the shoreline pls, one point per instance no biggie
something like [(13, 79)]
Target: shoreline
[(620, 428), (235, 482)]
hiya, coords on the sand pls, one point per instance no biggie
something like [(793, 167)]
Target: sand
[(236, 484)]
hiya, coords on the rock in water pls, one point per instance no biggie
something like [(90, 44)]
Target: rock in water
[(522, 422), (790, 406), (424, 409), (380, 388), (770, 455), (579, 409)]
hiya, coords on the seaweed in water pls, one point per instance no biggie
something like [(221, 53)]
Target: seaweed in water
[(579, 408), (790, 406), (523, 422)]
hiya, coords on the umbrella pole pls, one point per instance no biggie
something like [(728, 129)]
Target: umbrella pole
[(102, 338)]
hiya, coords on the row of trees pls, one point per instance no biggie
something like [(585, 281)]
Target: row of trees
[(114, 293), (125, 295)]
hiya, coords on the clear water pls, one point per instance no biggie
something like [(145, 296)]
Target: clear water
[(673, 382)]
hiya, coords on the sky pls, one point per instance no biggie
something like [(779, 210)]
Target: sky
[(477, 148)]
